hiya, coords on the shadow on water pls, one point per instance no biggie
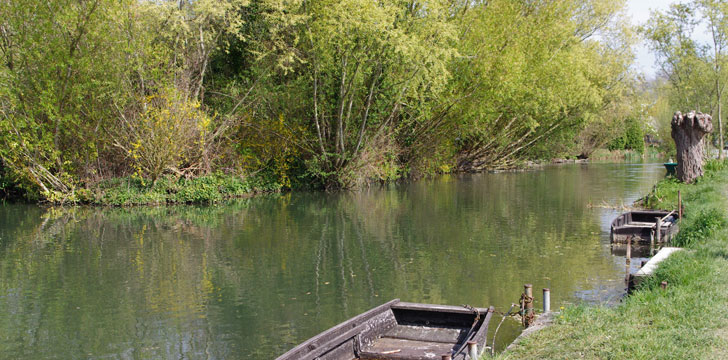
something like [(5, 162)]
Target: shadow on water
[(252, 278)]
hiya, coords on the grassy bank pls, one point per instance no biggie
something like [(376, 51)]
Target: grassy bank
[(688, 320), (169, 190), (605, 154)]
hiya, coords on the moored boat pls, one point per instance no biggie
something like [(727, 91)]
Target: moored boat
[(402, 331), (640, 226)]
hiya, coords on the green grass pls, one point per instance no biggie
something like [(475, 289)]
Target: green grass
[(170, 190), (688, 320)]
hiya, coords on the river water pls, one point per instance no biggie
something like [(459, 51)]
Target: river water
[(249, 279)]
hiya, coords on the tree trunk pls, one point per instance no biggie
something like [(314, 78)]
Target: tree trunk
[(688, 131), (720, 129)]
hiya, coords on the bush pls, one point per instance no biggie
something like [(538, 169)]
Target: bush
[(663, 194), (633, 138), (169, 131), (713, 166), (699, 227), (170, 190)]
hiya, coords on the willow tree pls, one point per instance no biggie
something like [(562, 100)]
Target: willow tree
[(688, 131), (352, 75), (61, 63), (77, 79), (530, 76)]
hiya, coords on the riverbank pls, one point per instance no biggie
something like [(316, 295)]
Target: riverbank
[(621, 155), (169, 190), (688, 320)]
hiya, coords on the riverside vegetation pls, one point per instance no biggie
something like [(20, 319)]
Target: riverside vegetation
[(688, 320), (122, 102)]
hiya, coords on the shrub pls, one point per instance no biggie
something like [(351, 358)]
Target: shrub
[(169, 130), (633, 138), (700, 227)]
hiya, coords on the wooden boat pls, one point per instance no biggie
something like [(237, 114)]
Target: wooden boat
[(636, 251), (640, 225), (402, 331)]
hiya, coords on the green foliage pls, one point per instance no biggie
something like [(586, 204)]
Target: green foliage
[(170, 190), (712, 167), (345, 70), (170, 132), (62, 67), (7, 186), (664, 194), (633, 138), (695, 71), (699, 227), (513, 46), (318, 93), (618, 143)]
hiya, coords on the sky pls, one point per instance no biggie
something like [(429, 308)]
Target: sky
[(639, 11)]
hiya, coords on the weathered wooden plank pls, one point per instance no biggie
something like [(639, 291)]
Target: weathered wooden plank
[(437, 308), (389, 348), (363, 333), (426, 333), (334, 336), (375, 327), (416, 331), (481, 333), (344, 351)]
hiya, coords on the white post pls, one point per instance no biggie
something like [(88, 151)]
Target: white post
[(658, 231), (546, 300), (473, 350)]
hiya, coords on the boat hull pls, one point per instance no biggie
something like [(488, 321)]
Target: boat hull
[(402, 331), (640, 226)]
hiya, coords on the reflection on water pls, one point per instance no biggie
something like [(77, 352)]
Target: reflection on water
[(252, 278)]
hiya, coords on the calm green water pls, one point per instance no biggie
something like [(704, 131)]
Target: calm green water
[(251, 279)]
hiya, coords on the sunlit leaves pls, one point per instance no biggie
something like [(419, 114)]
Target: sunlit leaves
[(532, 73)]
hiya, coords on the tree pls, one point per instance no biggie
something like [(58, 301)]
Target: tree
[(77, 80), (532, 75), (688, 131), (61, 66), (356, 75), (696, 72), (716, 12)]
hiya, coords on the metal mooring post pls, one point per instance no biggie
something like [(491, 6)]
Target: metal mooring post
[(473, 350), (546, 300), (527, 305)]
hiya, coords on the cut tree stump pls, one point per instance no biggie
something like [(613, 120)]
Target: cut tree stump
[(688, 131)]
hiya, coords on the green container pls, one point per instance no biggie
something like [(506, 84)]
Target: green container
[(670, 167)]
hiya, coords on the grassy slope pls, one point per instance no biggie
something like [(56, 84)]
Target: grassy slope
[(689, 320)]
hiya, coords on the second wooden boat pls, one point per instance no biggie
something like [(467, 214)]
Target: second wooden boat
[(640, 225), (400, 331)]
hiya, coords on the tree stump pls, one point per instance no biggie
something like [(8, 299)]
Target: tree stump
[(688, 131)]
